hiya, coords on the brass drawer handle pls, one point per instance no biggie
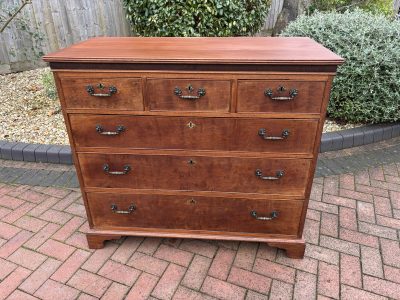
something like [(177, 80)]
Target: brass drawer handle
[(274, 215), (200, 93), (115, 210), (292, 94), (279, 174), (118, 130), (263, 133), (111, 90), (106, 169)]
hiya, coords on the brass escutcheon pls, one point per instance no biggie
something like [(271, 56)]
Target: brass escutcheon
[(191, 162), (192, 201), (191, 125)]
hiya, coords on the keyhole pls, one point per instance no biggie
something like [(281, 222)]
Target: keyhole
[(191, 125), (281, 89), (191, 162), (100, 86), (192, 201)]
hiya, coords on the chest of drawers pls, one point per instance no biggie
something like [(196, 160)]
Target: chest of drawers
[(209, 138)]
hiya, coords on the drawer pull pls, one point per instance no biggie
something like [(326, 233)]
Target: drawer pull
[(263, 133), (115, 210), (273, 215), (111, 90), (118, 130), (292, 94), (279, 174), (106, 169), (200, 93)]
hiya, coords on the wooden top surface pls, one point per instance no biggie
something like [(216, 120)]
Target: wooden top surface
[(198, 50)]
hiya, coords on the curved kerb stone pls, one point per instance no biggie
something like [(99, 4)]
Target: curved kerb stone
[(330, 141)]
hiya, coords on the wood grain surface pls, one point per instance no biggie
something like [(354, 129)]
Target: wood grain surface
[(194, 133), (194, 213), (198, 50)]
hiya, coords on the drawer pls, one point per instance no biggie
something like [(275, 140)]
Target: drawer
[(198, 173), (188, 94), (233, 134), (194, 213), (280, 96), (109, 92)]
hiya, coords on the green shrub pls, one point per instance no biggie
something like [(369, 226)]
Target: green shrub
[(196, 17), (367, 86), (376, 6), (49, 85)]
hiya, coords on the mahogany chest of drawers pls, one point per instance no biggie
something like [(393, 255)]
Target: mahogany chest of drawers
[(209, 138)]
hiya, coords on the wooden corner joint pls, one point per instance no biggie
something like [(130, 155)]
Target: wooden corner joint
[(293, 249), (96, 241)]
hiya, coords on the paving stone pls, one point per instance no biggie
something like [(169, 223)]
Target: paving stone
[(368, 135), (222, 290), (64, 179), (65, 155), (50, 178), (281, 291), (26, 177), (37, 177), (41, 153), (90, 283), (346, 250), (387, 132), (52, 154), (16, 151), (358, 138), (6, 150), (9, 175), (2, 143), (348, 138), (28, 152)]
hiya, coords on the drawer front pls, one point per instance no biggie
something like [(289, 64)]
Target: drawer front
[(188, 94), (240, 134), (112, 93), (280, 96), (198, 173), (194, 213)]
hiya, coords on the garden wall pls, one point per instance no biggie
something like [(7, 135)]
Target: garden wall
[(61, 23)]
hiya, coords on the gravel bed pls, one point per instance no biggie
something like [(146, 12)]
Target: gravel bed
[(28, 115)]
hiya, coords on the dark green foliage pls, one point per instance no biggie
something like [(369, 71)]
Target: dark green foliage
[(367, 87), (196, 17)]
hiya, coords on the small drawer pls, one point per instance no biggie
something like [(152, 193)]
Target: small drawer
[(280, 96), (103, 92), (194, 133), (197, 173), (188, 94), (110, 210)]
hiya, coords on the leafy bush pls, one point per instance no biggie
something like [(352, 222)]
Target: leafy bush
[(49, 85), (367, 85), (196, 17), (377, 6)]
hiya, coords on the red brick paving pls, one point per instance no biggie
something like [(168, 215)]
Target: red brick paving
[(352, 232)]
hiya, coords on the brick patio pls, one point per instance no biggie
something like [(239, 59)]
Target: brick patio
[(352, 232)]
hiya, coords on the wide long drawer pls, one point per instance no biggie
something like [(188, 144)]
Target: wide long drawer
[(194, 213), (198, 173), (238, 134)]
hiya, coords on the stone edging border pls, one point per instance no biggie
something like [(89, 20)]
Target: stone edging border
[(330, 141)]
